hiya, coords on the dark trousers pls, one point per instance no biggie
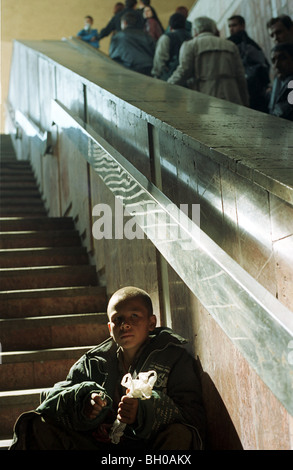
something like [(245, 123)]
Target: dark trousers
[(47, 436)]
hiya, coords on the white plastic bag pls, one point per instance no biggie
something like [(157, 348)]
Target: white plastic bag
[(141, 387)]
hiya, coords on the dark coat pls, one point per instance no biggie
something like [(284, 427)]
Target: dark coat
[(134, 49), (176, 395), (279, 103), (114, 24), (257, 69)]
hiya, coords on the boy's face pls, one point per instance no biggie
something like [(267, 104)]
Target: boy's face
[(130, 323)]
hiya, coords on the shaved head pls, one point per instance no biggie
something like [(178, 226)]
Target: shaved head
[(128, 293)]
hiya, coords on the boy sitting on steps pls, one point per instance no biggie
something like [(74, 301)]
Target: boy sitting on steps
[(78, 414)]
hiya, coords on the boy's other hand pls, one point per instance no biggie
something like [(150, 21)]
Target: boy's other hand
[(94, 406), (127, 410)]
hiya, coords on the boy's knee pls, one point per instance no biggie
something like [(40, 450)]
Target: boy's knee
[(177, 436), (44, 435)]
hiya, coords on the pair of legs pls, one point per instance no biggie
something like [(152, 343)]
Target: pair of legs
[(47, 436)]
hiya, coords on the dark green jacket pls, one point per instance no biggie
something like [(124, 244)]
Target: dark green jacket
[(176, 395)]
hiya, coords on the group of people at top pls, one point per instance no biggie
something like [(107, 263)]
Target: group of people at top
[(195, 56)]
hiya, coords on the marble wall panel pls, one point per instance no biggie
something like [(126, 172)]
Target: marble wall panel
[(35, 156), (210, 198), (188, 177), (180, 310), (242, 413), (70, 91), (122, 261), (75, 188), (121, 125), (33, 110), (231, 238), (255, 233), (46, 91), (282, 237), (51, 184), (267, 409), (18, 87)]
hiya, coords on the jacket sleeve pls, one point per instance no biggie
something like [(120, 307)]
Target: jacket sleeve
[(162, 56), (64, 403), (89, 36), (240, 77), (181, 402), (111, 26), (185, 69)]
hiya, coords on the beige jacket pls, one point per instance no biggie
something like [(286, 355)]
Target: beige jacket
[(215, 67)]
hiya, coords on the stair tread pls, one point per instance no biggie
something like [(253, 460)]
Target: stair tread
[(8, 224), (52, 292), (28, 322), (5, 443), (10, 357), (9, 395), (42, 250), (40, 233), (43, 256), (27, 269)]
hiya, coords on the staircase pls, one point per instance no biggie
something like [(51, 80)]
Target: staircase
[(51, 308)]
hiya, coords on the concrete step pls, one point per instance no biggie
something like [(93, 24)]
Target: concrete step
[(17, 177), (18, 193), (14, 162), (15, 165), (24, 205), (39, 238), (53, 331), (38, 368), (5, 444), (12, 405), (47, 276), (18, 185), (19, 169), (21, 257), (52, 301), (21, 201), (16, 211), (8, 224)]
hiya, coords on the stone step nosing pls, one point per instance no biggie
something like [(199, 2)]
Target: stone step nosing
[(39, 233), (20, 224), (5, 443), (53, 292), (17, 397), (43, 250), (53, 320), (41, 355), (24, 271), (40, 256)]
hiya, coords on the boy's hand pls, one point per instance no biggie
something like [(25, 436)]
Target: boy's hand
[(127, 410), (94, 406)]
